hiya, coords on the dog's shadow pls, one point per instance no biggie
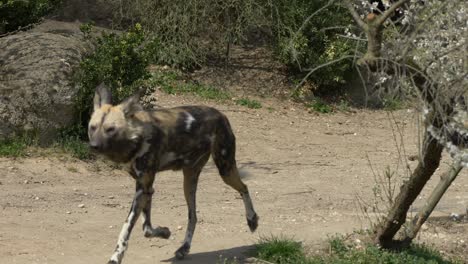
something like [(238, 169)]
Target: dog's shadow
[(218, 256)]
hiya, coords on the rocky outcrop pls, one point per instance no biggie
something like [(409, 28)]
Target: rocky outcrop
[(36, 88)]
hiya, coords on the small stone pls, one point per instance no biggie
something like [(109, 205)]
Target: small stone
[(68, 212), (110, 197), (455, 217), (36, 198), (424, 227), (85, 194), (26, 182), (81, 206), (358, 241), (179, 227), (111, 226)]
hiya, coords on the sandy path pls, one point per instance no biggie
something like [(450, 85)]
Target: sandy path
[(305, 172)]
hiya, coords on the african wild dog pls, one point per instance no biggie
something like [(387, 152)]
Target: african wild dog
[(180, 138)]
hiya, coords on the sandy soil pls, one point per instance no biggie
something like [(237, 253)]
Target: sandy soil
[(306, 171)]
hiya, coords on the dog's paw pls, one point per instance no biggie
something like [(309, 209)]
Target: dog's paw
[(182, 251), (253, 223)]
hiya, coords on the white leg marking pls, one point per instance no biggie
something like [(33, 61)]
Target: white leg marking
[(124, 235), (188, 122), (249, 210)]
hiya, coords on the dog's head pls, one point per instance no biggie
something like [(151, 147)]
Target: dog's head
[(111, 129)]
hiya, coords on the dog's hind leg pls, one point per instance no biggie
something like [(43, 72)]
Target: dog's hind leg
[(224, 156), (191, 176), (233, 179)]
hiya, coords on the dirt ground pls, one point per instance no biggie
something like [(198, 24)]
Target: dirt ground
[(305, 173)]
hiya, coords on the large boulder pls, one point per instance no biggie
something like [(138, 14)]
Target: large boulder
[(36, 86)]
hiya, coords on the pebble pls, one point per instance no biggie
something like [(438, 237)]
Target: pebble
[(68, 212), (455, 217), (179, 228), (36, 198), (111, 197), (81, 206), (26, 182)]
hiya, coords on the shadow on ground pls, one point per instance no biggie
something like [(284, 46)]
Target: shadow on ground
[(214, 256)]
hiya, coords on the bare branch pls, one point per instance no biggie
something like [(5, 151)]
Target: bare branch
[(389, 12), (355, 15)]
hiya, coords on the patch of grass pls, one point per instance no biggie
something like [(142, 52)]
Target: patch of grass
[(287, 251), (76, 147), (70, 140), (168, 81), (280, 250), (15, 147), (253, 104), (392, 104), (320, 106)]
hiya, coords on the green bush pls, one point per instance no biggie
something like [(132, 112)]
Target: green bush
[(119, 60), (189, 31), (15, 14), (317, 43)]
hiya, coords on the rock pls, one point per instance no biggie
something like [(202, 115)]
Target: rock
[(36, 90), (81, 206), (455, 217)]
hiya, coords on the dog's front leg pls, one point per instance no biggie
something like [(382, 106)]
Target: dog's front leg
[(137, 205), (149, 231)]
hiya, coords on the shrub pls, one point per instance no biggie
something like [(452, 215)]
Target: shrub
[(304, 44), (119, 60), (15, 14)]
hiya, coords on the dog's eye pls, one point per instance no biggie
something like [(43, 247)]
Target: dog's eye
[(110, 129)]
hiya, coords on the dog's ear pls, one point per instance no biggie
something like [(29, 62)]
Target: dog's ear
[(102, 96), (132, 104)]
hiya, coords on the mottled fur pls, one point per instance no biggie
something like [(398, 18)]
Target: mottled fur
[(180, 138)]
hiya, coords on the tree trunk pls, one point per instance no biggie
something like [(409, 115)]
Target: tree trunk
[(445, 180), (409, 192)]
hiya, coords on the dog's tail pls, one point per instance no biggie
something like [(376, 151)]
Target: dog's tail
[(244, 174)]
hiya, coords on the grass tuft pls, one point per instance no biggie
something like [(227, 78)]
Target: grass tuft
[(253, 104), (280, 250), (287, 251), (320, 106)]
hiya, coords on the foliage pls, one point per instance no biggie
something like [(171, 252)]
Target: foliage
[(253, 104), (15, 14), (120, 61), (287, 251), (183, 28), (320, 106), (14, 147), (186, 33), (304, 43)]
